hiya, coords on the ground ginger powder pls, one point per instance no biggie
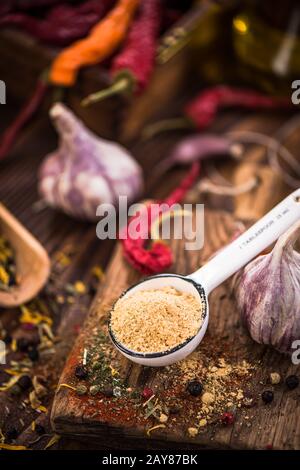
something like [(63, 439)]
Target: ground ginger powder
[(156, 320)]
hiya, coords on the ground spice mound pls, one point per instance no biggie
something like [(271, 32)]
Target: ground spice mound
[(156, 320)]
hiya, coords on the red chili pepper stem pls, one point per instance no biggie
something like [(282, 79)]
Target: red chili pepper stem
[(58, 94), (155, 128), (123, 84)]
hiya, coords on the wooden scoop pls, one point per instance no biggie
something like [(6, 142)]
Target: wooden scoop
[(32, 261)]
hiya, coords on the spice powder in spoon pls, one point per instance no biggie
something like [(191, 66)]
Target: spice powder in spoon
[(156, 320)]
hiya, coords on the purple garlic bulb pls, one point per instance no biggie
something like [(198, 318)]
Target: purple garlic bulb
[(268, 294), (86, 170)]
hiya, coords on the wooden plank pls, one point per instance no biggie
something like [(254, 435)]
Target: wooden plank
[(277, 424)]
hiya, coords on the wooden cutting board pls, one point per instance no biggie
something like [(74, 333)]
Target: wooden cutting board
[(124, 418)]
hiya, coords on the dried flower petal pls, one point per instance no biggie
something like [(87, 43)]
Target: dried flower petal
[(52, 441)]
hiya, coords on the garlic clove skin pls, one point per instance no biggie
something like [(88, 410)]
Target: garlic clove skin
[(268, 294), (85, 170)]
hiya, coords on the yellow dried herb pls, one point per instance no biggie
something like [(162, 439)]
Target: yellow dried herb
[(12, 447), (149, 431), (7, 265), (114, 372), (34, 401), (62, 259), (33, 317), (12, 381), (65, 386), (11, 372), (52, 441), (79, 287), (4, 276), (42, 408), (97, 272), (39, 389)]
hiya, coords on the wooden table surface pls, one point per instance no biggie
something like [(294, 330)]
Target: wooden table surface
[(58, 232)]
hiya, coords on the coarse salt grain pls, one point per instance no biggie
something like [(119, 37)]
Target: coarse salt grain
[(192, 432), (208, 398), (156, 320), (163, 418), (275, 378)]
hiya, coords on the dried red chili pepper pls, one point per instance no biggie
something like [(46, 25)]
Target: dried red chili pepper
[(63, 25), (147, 393), (201, 112), (30, 4), (102, 41), (60, 12), (203, 109), (131, 69), (27, 112), (24, 5), (227, 418), (159, 256)]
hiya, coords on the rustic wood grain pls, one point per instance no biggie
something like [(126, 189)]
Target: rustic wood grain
[(268, 192)]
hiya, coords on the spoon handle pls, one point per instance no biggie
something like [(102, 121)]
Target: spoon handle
[(250, 244)]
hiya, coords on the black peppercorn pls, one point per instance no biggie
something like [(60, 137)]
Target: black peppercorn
[(39, 429), (33, 354), (7, 339), (23, 344), (24, 382), (11, 434), (15, 390), (267, 396), (292, 382), (107, 391), (194, 388), (81, 372), (174, 410)]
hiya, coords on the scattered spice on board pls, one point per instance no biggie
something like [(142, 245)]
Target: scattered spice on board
[(222, 388), (102, 376), (156, 320), (221, 380), (8, 274)]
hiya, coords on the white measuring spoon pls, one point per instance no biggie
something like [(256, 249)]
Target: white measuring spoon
[(200, 283)]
